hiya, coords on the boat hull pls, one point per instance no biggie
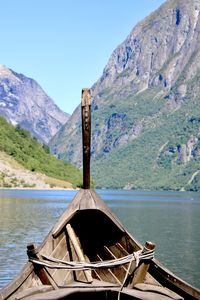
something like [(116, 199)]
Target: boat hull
[(88, 232)]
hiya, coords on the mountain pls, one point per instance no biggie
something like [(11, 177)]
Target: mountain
[(24, 162), (23, 102), (145, 109)]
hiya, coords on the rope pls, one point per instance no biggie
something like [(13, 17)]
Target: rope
[(137, 256), (54, 263)]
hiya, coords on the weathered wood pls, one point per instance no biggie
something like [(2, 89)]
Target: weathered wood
[(86, 135), (41, 272), (32, 291), (61, 252), (157, 289), (87, 199), (78, 250), (119, 272), (140, 273), (106, 274), (101, 292)]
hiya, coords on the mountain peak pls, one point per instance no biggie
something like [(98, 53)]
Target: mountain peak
[(171, 32), (7, 73), (23, 102), (2, 67)]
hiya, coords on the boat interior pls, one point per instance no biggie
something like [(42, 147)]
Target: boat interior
[(99, 240), (89, 235)]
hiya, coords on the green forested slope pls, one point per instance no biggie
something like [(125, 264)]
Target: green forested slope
[(34, 156), (165, 155)]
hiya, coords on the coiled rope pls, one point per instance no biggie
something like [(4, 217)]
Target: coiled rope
[(53, 263)]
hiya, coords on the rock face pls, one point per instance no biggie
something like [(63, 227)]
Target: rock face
[(147, 97), (23, 102), (157, 50)]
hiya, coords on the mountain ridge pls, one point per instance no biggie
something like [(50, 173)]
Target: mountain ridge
[(145, 106), (24, 102)]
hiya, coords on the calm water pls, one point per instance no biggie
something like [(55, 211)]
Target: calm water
[(170, 219)]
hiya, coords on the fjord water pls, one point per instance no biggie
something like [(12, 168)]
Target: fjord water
[(170, 219)]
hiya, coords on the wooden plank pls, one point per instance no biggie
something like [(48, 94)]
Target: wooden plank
[(87, 201), (113, 256), (57, 240), (119, 272), (84, 199), (107, 274), (122, 249), (60, 252), (127, 243), (19, 282), (78, 250), (60, 275), (141, 271), (137, 294), (158, 289), (67, 215), (166, 278), (32, 291), (61, 249), (97, 293), (96, 275), (68, 278)]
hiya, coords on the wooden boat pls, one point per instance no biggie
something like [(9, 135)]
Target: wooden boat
[(90, 255)]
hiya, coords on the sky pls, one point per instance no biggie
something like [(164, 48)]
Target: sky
[(65, 44)]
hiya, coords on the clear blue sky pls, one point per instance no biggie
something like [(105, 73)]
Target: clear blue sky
[(65, 44)]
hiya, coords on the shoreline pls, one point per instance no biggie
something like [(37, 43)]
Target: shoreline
[(40, 188), (15, 176)]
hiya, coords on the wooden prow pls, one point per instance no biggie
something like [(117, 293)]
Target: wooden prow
[(86, 135)]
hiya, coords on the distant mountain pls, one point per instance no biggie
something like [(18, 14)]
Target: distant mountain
[(23, 102), (146, 107)]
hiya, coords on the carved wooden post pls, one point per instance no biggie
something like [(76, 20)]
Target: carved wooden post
[(86, 135)]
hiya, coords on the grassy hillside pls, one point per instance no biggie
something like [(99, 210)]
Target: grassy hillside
[(19, 144), (14, 175), (158, 157)]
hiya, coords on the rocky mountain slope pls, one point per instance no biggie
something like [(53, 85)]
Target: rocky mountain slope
[(23, 102), (146, 112)]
